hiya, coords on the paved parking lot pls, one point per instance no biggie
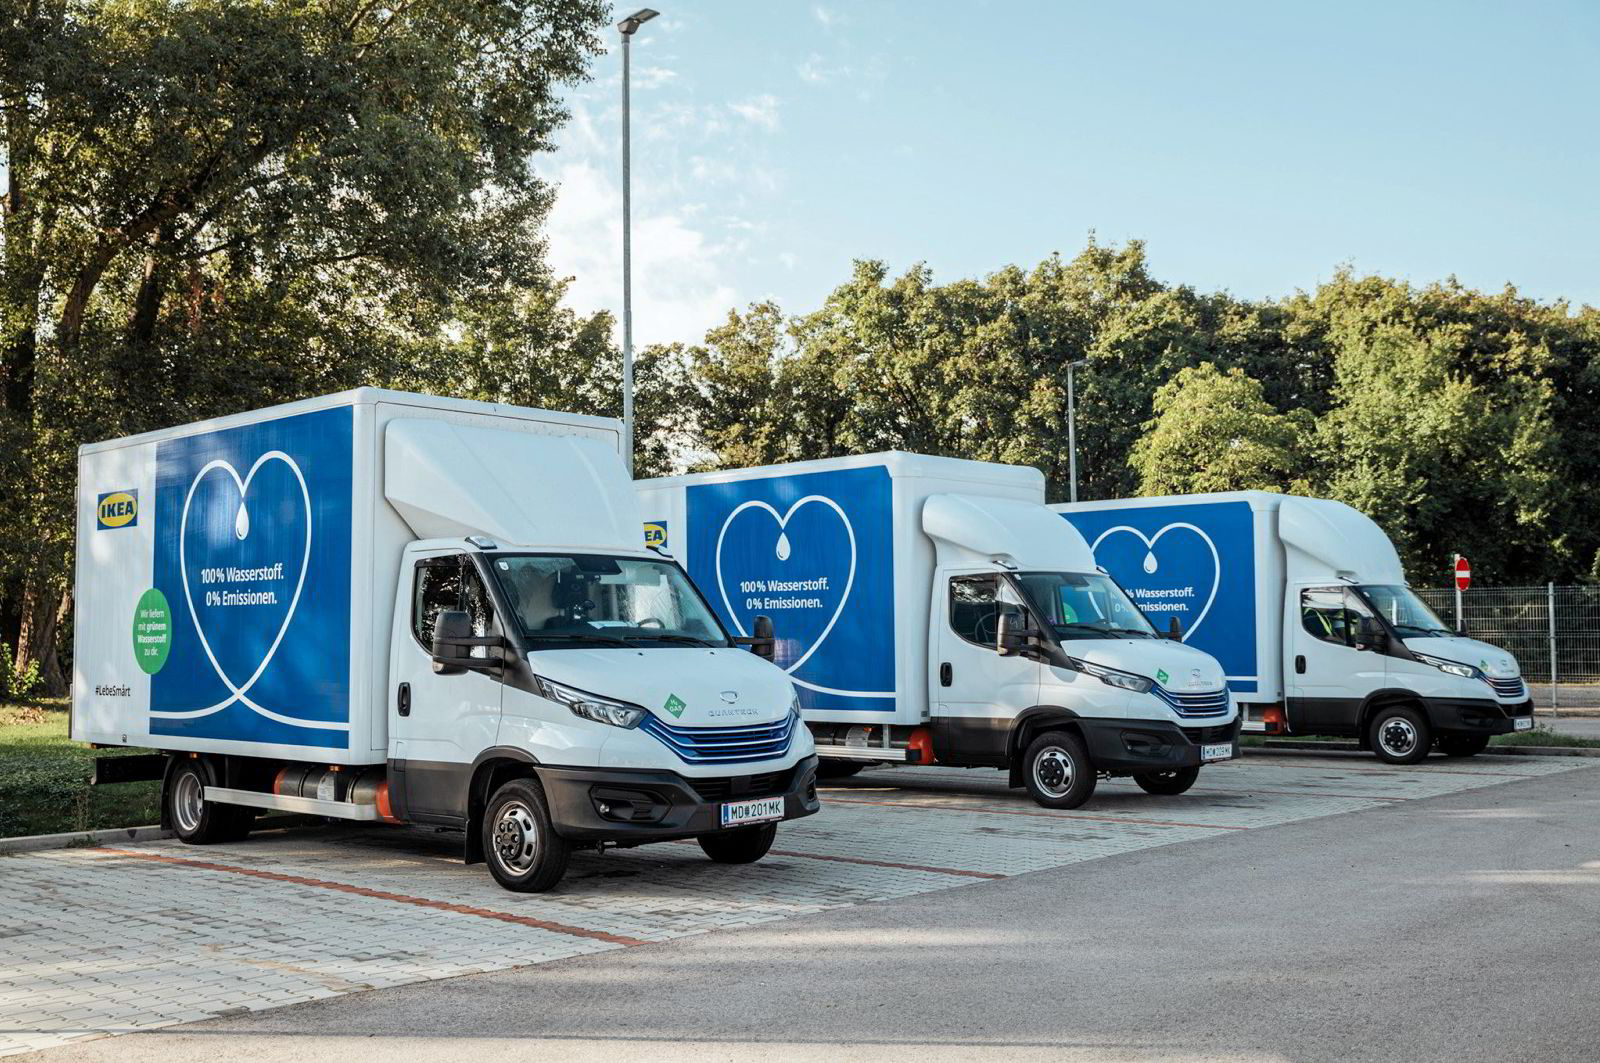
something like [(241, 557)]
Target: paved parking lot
[(103, 941)]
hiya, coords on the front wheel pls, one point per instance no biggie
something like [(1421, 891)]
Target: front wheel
[(524, 853), (1463, 745), (1167, 783), (1057, 772), (742, 845), (1399, 735)]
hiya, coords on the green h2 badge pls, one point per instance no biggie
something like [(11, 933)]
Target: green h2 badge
[(675, 705), (1162, 677)]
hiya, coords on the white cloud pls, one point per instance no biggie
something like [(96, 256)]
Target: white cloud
[(828, 17), (816, 70), (759, 110), (653, 77)]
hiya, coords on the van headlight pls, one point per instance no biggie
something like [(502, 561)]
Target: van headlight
[(1465, 671), (1112, 677), (592, 706), (794, 704)]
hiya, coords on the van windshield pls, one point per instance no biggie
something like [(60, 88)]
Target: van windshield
[(1407, 614), (1084, 605), (587, 600)]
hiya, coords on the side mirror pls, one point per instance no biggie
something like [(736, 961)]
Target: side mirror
[(453, 641), (1009, 638), (762, 640), (1174, 629), (1370, 634)]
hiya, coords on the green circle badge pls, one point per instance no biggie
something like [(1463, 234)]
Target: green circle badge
[(152, 631)]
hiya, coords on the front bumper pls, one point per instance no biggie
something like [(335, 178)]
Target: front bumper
[(632, 806), (1481, 716), (1123, 747)]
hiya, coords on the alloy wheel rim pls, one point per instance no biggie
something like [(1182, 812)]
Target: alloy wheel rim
[(1053, 771), (516, 838)]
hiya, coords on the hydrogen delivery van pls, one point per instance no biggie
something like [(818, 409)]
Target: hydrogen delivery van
[(377, 606), (929, 610), (1306, 605)]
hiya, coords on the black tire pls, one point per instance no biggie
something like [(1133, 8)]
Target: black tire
[(838, 769), (1167, 783), (1399, 735), (1463, 745), (195, 820), (1057, 771), (742, 845), (520, 844)]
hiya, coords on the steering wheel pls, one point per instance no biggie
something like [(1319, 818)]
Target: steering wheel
[(651, 621), (987, 630)]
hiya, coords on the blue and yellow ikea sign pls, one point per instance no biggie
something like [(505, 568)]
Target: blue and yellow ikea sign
[(117, 509), (655, 535)]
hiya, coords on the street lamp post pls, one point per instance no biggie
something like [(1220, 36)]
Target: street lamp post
[(1072, 431), (627, 27)]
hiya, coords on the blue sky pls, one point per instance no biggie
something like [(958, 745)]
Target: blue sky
[(1254, 146)]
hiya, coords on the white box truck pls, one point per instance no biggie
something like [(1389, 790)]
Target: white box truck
[(929, 610), (389, 607), (1306, 605)]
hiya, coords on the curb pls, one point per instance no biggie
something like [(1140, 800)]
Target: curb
[(1492, 751), (36, 842)]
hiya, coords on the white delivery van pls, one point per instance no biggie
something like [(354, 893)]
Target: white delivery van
[(389, 607), (929, 610), (1304, 602)]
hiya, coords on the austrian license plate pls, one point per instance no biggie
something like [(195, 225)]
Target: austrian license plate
[(1522, 723), (1217, 752), (761, 810)]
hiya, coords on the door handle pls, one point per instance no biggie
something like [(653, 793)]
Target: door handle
[(946, 674), (1300, 664), (404, 702)]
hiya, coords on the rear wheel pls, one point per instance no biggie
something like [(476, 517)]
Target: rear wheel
[(1463, 745), (1057, 772), (195, 820), (521, 847), (1399, 735), (838, 769), (1167, 783), (742, 845)]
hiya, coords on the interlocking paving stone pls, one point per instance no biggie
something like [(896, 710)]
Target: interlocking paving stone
[(102, 941)]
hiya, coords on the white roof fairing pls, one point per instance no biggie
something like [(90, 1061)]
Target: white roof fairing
[(974, 530)]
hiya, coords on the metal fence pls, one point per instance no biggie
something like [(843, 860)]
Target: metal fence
[(1553, 630)]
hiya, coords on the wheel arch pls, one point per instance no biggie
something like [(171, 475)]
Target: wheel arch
[(1389, 697), (1028, 725), (493, 768)]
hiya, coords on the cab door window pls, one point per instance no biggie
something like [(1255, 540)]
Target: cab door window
[(1333, 614), (446, 584), (976, 605)]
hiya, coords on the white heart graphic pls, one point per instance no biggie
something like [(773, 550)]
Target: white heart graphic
[(1150, 547), (782, 549), (242, 531)]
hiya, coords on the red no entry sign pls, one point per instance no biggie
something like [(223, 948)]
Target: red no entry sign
[(1463, 573)]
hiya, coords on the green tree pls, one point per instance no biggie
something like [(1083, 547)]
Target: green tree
[(1215, 431)]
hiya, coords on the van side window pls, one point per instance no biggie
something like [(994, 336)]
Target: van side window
[(444, 584), (1332, 614), (976, 603)]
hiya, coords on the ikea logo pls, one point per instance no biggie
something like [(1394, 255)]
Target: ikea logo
[(655, 535), (118, 509)]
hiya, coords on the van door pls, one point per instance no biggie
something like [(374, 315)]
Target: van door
[(1330, 672), (438, 724), (977, 693)]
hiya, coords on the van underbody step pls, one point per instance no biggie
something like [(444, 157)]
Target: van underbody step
[(309, 806), (861, 752)]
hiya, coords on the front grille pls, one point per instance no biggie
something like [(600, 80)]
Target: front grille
[(1214, 703), (723, 745), (1508, 688), (740, 786), (1202, 736)]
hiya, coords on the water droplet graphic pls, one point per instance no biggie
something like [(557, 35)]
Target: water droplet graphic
[(241, 523), (1149, 561), (783, 546)]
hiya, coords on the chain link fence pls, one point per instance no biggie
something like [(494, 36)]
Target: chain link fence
[(1553, 630)]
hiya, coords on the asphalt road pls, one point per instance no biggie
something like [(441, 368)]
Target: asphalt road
[(1450, 928)]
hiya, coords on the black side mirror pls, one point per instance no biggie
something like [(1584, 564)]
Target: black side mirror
[(762, 640), (1174, 629), (1009, 635), (1370, 634), (453, 641)]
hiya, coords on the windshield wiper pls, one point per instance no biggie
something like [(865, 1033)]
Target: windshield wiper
[(1132, 631), (571, 636), (1086, 627), (689, 640)]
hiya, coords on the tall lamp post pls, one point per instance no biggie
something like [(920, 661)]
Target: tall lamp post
[(1072, 430), (627, 27)]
